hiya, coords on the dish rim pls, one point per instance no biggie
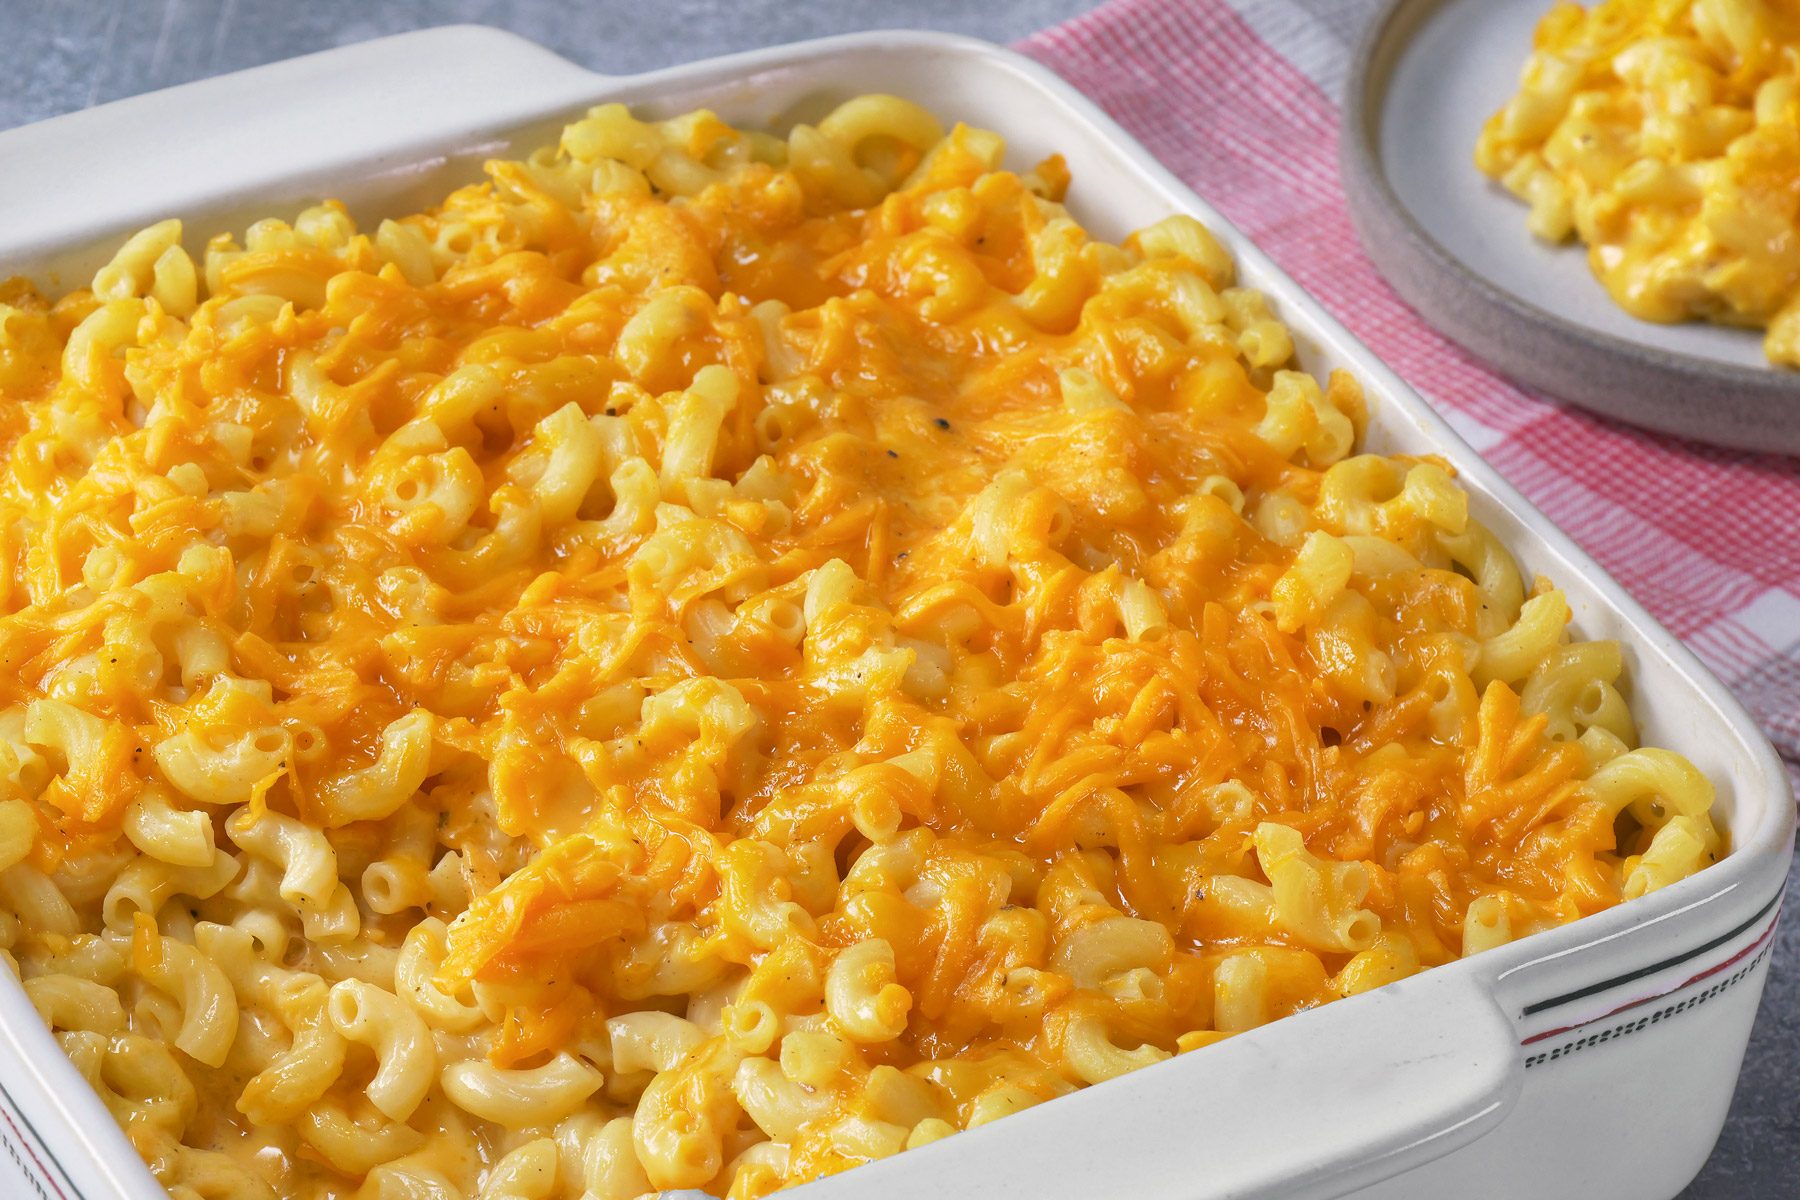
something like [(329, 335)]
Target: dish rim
[(1538, 536), (1422, 270)]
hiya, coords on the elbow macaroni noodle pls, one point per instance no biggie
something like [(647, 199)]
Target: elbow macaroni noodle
[(1665, 134), (708, 659)]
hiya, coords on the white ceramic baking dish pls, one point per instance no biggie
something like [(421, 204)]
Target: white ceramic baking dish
[(1596, 1060)]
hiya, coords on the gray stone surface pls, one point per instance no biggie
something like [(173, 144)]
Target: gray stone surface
[(60, 55)]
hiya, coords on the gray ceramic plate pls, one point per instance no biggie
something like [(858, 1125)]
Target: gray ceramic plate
[(1455, 246)]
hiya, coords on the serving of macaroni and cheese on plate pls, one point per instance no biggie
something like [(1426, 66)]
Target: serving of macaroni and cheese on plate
[(713, 657), (1665, 135)]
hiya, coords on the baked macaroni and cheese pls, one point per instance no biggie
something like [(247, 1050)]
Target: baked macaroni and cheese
[(1665, 134), (711, 658)]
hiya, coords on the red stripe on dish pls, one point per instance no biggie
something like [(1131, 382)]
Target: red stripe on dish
[(19, 1136), (1706, 974)]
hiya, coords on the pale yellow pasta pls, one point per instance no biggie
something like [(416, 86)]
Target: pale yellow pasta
[(1511, 654), (147, 884), (1487, 924), (71, 1002), (1677, 850), (296, 1078), (682, 1121), (528, 1173), (207, 1000), (179, 837), (403, 1047), (1095, 1057), (355, 1142), (780, 1106), (650, 1041), (519, 1097), (1307, 589), (18, 830), (1240, 993), (862, 996), (1181, 236), (1391, 958), (400, 766), (1653, 784), (415, 981), (1318, 901)]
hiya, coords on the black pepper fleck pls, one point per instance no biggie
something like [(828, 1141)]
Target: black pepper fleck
[(942, 423), (893, 454)]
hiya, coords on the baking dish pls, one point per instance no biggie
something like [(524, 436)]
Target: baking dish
[(1597, 1059)]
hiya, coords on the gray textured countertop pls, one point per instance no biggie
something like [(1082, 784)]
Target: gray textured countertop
[(60, 55)]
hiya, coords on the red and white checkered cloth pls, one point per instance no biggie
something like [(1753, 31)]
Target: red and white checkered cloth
[(1707, 539)]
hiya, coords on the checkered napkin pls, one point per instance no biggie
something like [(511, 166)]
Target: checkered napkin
[(1707, 539)]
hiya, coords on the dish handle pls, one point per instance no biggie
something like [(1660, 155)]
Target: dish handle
[(363, 111), (1308, 1108)]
